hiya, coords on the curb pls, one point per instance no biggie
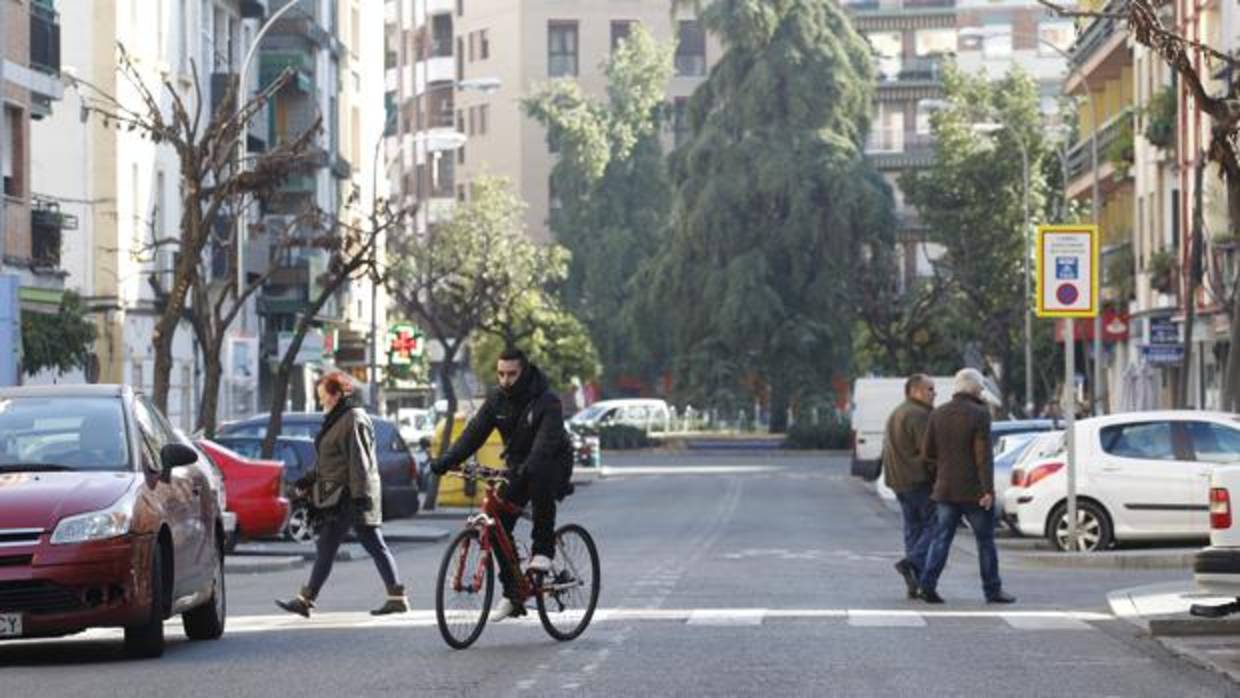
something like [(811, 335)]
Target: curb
[(1165, 560), (266, 564)]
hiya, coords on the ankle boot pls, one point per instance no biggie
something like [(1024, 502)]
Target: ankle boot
[(395, 603), (300, 604)]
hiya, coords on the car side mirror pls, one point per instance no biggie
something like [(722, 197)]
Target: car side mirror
[(176, 455)]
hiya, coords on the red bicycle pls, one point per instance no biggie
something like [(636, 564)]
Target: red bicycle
[(566, 595)]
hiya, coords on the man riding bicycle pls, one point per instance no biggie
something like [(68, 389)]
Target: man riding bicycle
[(537, 452)]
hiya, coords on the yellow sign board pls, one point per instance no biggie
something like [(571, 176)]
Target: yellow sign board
[(1067, 271)]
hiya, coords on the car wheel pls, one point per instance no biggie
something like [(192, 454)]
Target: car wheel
[(1093, 527), (146, 641), (207, 621), (298, 528)]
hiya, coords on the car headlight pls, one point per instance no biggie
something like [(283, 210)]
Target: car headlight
[(95, 525)]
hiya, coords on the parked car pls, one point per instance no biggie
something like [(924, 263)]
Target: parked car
[(217, 483), (256, 490), (415, 423), (107, 519), (1216, 569), (1140, 476), (1011, 468), (397, 466), (296, 455), (650, 415), (586, 450)]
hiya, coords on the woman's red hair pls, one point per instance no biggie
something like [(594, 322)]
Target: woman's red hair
[(337, 383)]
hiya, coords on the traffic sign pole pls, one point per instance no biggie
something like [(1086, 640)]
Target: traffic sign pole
[(1068, 288)]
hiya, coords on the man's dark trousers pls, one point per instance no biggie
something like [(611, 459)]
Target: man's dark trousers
[(918, 514), (536, 489), (947, 519)]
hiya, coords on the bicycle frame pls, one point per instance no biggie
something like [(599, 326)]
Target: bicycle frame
[(491, 530)]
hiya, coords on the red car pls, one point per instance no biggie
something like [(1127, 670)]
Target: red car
[(106, 519), (255, 491)]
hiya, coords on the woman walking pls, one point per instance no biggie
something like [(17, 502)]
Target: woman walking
[(344, 494)]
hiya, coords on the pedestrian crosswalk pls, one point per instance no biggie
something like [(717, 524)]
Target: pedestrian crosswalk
[(693, 619)]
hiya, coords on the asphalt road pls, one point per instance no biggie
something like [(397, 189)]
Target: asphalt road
[(723, 575)]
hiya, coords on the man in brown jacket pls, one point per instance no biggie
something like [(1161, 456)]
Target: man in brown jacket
[(958, 451), (904, 470)]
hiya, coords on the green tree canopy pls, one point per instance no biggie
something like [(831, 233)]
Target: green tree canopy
[(612, 184), (61, 341), (971, 200), (552, 337), (774, 201)]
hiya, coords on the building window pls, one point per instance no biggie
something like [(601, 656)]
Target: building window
[(482, 119), (561, 49), (888, 49), (620, 31), (925, 107), (13, 157), (553, 195), (460, 155), (484, 45), (460, 193), (690, 48), (933, 42), (460, 59), (472, 121), (472, 42), (460, 8), (680, 120), (887, 134), (460, 120)]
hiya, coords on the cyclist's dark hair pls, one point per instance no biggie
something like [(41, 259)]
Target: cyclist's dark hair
[(514, 354)]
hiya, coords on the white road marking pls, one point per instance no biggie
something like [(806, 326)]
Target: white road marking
[(726, 616), (362, 620)]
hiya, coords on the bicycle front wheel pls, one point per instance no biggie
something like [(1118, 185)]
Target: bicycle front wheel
[(464, 590), (569, 592)]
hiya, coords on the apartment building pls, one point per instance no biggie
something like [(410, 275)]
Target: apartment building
[(462, 66), (912, 40), (31, 276)]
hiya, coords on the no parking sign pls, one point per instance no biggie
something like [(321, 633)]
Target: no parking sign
[(1067, 271)]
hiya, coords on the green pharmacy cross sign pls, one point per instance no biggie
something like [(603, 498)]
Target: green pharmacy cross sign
[(405, 344)]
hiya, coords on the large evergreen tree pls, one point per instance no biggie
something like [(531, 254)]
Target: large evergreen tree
[(773, 202)]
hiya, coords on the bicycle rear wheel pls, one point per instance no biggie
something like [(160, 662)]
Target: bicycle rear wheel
[(463, 591), (568, 593)]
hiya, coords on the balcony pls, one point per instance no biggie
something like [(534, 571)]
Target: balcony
[(1079, 157), (1096, 35), (46, 237), (44, 38), (437, 70), (272, 63), (879, 7)]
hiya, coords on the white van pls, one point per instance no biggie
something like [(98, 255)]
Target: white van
[(651, 415), (873, 401)]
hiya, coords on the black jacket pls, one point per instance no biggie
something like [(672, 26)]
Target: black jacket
[(530, 419)]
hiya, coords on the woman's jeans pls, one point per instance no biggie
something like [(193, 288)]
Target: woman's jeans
[(332, 535)]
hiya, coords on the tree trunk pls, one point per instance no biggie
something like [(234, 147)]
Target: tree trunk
[(1231, 378), (449, 368), (213, 372), (778, 406), (279, 391), (1190, 284)]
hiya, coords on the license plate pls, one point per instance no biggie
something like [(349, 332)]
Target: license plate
[(10, 625)]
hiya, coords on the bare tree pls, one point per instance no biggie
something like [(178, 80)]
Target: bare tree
[(213, 182), (351, 249)]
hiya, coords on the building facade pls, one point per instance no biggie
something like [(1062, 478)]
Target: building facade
[(31, 226)]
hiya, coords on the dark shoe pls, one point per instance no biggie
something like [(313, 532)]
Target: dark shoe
[(906, 570), (1001, 597), (929, 596), (300, 604), (396, 602)]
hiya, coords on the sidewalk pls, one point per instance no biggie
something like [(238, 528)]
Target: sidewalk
[(1162, 611)]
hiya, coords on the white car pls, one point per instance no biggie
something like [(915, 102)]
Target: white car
[(1009, 481), (1140, 476), (1216, 569)]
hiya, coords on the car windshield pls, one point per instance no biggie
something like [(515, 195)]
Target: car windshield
[(62, 433), (589, 414)]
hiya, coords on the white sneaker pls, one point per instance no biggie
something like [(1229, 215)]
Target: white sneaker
[(539, 563), (506, 609)]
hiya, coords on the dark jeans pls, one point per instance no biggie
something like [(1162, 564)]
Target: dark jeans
[(522, 489), (918, 515), (332, 534), (947, 519)]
